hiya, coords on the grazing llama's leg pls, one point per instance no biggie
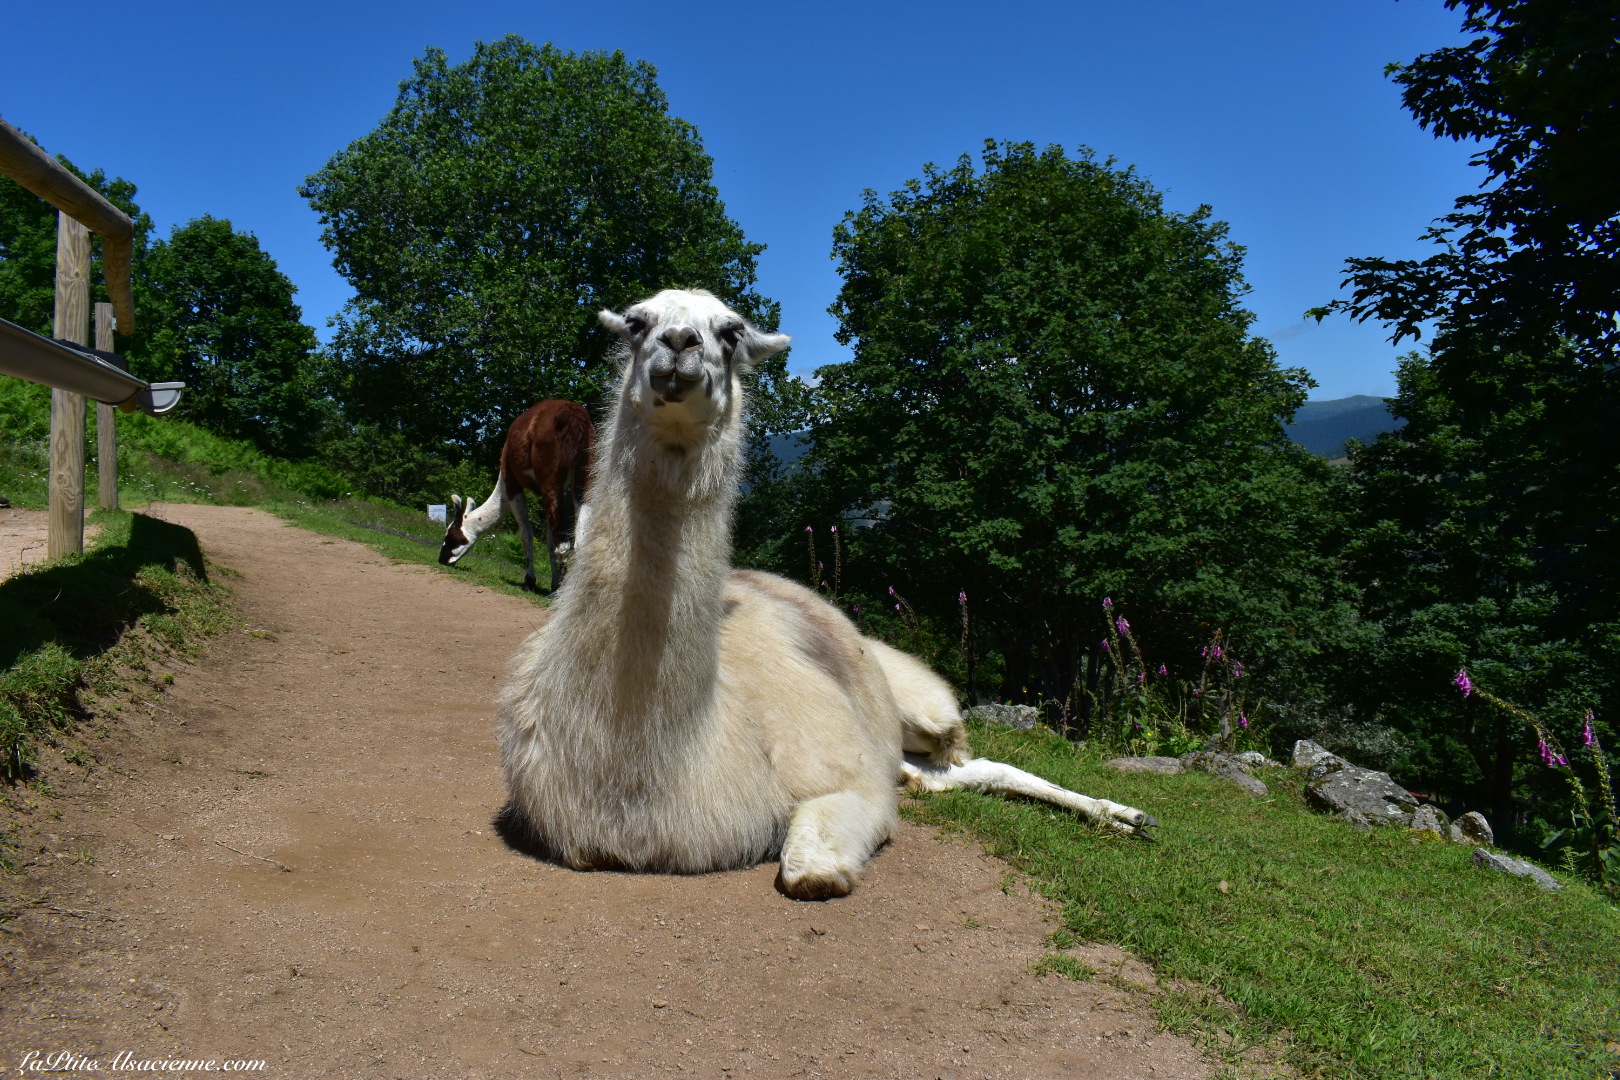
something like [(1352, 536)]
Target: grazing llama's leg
[(520, 510), (830, 839), (921, 774)]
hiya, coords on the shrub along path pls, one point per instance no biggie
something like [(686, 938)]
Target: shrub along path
[(289, 856)]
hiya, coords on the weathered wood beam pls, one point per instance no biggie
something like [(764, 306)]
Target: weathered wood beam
[(25, 162), (106, 421), (64, 532)]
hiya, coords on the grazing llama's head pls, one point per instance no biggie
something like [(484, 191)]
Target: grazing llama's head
[(686, 353), (456, 537)]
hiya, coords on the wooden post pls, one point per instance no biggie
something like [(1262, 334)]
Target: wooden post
[(65, 531), (106, 419)]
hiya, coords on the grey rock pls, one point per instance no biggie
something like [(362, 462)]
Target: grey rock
[(1472, 828), (1224, 765), (1308, 754), (1354, 818), (1017, 717), (1253, 759), (1517, 867), (1169, 766), (1335, 785), (1430, 819)]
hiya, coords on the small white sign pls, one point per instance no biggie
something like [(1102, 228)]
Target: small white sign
[(437, 512)]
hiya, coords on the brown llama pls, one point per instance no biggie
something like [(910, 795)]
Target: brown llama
[(548, 452)]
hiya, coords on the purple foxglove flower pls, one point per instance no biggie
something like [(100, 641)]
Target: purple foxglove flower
[(1541, 748), (1105, 644), (1243, 720), (891, 590), (809, 528), (1586, 732), (1124, 624), (1141, 677), (961, 598), (1237, 670), (1462, 682), (1163, 670), (1108, 602), (835, 528)]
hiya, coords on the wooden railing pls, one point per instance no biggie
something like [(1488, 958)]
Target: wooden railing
[(68, 365)]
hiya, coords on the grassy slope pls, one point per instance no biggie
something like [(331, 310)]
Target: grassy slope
[(1364, 954), (65, 626)]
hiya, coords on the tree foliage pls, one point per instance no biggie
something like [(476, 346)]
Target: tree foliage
[(1488, 531), (491, 213), (223, 319), (1524, 289), (1054, 399)]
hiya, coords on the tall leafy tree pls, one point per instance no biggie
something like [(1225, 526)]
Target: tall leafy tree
[(491, 213), (222, 318), (1489, 529), (1524, 287), (1054, 399)]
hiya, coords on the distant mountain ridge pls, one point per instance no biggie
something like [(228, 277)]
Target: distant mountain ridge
[(1322, 427)]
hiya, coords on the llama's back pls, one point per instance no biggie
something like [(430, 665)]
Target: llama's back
[(794, 666)]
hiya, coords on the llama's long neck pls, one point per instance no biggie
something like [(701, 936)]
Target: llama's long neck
[(645, 598), (480, 519)]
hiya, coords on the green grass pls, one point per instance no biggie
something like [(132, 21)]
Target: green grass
[(65, 625), (495, 562), (1357, 954)]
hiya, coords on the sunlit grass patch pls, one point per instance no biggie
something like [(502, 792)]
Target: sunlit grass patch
[(1369, 954)]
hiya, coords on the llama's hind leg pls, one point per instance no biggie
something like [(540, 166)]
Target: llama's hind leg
[(829, 841), (919, 773), (520, 510)]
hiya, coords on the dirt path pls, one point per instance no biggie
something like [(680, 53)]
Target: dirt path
[(348, 737), (22, 538)]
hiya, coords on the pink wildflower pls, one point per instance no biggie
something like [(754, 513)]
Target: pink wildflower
[(1163, 670), (1108, 602), (1243, 720), (1124, 624), (1462, 682), (1586, 732), (1105, 644)]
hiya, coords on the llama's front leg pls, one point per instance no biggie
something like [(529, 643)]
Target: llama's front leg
[(520, 510), (830, 839), (978, 774)]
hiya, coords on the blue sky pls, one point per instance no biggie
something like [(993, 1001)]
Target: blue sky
[(1277, 114)]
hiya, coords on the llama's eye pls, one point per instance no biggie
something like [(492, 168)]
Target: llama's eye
[(637, 326), (730, 333)]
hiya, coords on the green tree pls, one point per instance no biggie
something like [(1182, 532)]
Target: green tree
[(1054, 400), (1524, 289), (491, 213), (1448, 579), (222, 318), (1487, 529)]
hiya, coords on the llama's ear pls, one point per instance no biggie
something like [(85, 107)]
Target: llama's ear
[(756, 346), (614, 322)]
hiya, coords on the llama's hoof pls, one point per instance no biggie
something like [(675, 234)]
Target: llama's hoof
[(827, 885), (530, 585)]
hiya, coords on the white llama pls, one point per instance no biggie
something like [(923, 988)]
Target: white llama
[(677, 715)]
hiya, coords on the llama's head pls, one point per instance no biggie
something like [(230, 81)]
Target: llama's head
[(686, 353), (457, 537)]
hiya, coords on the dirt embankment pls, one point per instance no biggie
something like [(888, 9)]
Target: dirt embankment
[(290, 857)]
